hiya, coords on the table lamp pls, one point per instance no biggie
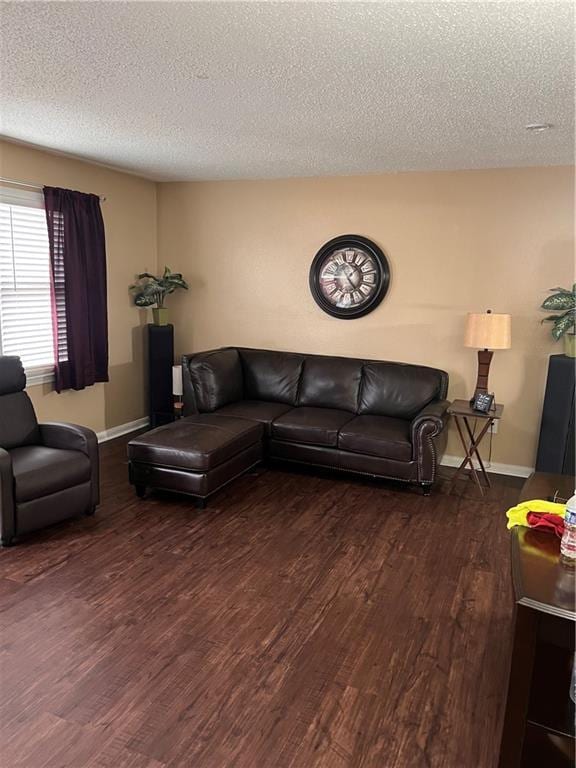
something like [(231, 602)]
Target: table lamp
[(486, 332), (177, 390)]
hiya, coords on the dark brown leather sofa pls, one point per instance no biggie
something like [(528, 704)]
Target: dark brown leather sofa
[(375, 418), (48, 472)]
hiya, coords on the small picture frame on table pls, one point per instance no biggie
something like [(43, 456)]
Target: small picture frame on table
[(482, 402)]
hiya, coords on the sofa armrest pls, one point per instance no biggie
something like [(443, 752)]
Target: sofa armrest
[(7, 506), (431, 419), (190, 406), (72, 437), (427, 446)]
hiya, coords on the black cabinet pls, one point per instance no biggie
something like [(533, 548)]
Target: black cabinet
[(556, 444), (160, 362)]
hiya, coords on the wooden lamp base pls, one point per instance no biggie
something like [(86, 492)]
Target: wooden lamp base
[(484, 360)]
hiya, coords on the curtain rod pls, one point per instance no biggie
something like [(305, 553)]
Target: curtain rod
[(31, 186)]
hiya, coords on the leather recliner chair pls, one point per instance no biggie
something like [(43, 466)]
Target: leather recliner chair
[(48, 472)]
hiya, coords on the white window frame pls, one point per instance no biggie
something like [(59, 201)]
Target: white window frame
[(42, 374)]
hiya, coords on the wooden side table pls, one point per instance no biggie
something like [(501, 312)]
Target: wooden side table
[(463, 413), (539, 725)]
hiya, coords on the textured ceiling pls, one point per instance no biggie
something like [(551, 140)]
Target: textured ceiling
[(226, 90)]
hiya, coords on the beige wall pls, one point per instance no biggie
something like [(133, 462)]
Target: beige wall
[(130, 220), (456, 241)]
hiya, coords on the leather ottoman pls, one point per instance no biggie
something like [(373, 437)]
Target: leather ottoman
[(196, 455)]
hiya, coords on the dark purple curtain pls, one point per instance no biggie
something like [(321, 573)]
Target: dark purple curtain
[(78, 271)]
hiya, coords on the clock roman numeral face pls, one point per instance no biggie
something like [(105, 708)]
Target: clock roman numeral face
[(348, 277)]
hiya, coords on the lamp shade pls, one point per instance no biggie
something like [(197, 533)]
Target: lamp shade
[(488, 331), (177, 380)]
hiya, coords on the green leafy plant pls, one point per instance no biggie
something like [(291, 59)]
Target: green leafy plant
[(150, 290), (564, 302)]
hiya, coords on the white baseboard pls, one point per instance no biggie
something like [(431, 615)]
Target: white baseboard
[(499, 469), (122, 429)]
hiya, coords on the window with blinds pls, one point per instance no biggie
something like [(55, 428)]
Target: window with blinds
[(25, 303)]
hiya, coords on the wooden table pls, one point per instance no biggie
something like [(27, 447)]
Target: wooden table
[(539, 720), (463, 413)]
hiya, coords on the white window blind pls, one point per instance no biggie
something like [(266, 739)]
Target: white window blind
[(25, 304)]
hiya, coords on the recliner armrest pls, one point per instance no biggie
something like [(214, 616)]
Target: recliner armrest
[(431, 419), (69, 437), (7, 509), (73, 437)]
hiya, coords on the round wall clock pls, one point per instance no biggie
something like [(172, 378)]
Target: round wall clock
[(349, 276)]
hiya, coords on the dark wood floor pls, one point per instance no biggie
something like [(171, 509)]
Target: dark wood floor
[(299, 621)]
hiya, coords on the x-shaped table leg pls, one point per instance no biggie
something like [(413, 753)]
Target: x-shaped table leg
[(472, 450), (475, 443)]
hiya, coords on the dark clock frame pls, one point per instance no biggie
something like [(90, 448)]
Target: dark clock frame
[(382, 275)]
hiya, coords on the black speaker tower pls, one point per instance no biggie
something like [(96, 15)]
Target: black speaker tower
[(556, 444), (160, 362)]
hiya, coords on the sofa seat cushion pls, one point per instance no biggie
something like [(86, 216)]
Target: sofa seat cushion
[(256, 410), (315, 426), (381, 436), (196, 443), (39, 471)]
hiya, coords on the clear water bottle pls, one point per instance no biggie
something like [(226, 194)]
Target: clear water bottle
[(568, 543)]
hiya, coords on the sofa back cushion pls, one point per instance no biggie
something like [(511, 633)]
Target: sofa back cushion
[(272, 376), (216, 378), (331, 382), (398, 390)]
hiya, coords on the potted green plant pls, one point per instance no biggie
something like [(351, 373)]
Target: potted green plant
[(151, 290), (563, 301)]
